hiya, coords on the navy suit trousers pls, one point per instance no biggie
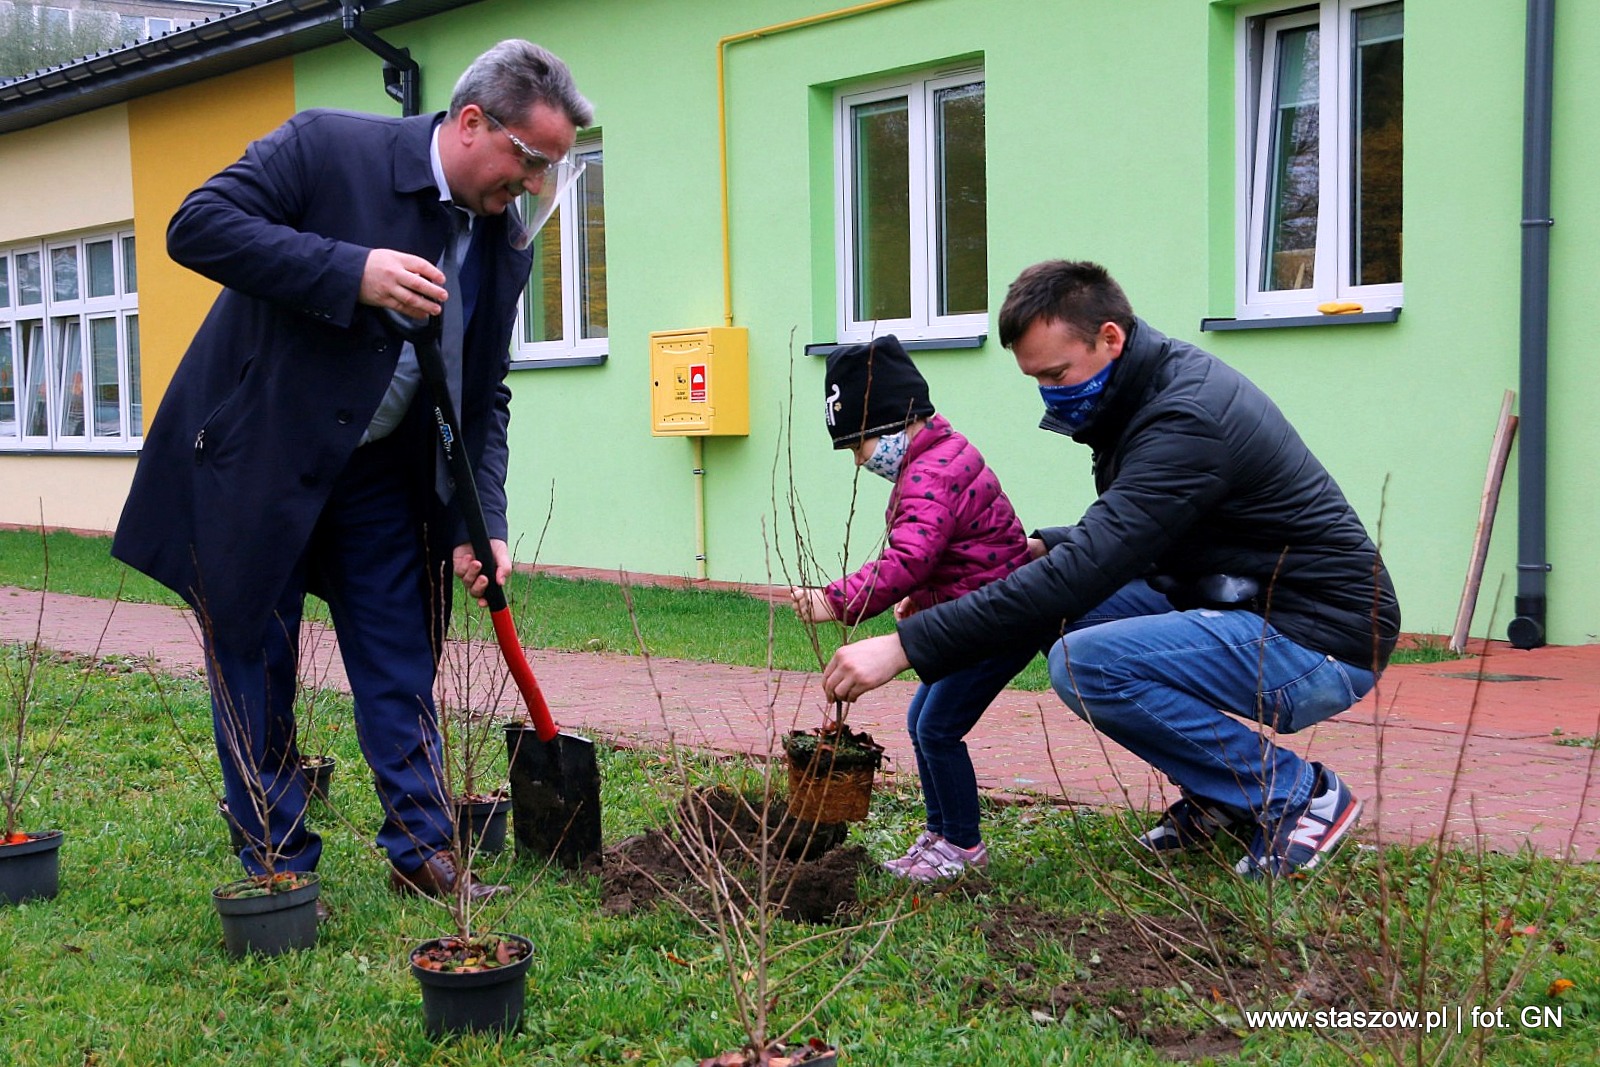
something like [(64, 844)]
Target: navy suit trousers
[(367, 559)]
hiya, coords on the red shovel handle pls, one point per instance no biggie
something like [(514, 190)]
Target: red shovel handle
[(505, 632)]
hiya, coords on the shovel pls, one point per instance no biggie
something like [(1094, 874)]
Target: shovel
[(555, 780)]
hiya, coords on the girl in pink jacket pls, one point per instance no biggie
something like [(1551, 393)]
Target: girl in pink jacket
[(950, 529)]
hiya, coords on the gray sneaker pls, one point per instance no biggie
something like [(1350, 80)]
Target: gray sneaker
[(1193, 823)]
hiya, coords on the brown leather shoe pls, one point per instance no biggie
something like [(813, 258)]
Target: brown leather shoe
[(437, 878)]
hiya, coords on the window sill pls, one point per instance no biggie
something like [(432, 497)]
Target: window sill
[(592, 360), (1290, 321), (932, 344)]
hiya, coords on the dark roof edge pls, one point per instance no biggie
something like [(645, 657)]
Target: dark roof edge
[(267, 31)]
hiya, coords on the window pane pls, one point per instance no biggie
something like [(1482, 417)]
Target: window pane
[(1378, 86), (130, 271), (35, 384), (1292, 205), (5, 281), (135, 386), (107, 388), (69, 347), (962, 201), (29, 290), (882, 225), (591, 202), (102, 271), (64, 273), (8, 386), (541, 302)]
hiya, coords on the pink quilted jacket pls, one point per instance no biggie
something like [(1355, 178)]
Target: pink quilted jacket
[(951, 530)]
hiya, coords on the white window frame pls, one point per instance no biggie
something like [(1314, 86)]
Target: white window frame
[(47, 324), (571, 347), (922, 146), (1259, 29)]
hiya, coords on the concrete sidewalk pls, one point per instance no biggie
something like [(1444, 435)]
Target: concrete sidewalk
[(1471, 747)]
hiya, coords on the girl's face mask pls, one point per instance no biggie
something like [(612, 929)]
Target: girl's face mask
[(888, 456)]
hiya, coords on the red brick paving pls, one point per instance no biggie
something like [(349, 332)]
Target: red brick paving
[(1469, 748)]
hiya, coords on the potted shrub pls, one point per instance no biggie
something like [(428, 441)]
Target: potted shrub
[(274, 911), (30, 860), (475, 977), (314, 701), (831, 768)]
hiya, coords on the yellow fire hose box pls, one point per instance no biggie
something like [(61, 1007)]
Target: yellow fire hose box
[(700, 382)]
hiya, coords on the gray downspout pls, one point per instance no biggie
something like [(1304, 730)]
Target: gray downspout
[(402, 78), (1527, 629)]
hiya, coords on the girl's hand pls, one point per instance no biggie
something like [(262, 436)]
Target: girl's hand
[(810, 604)]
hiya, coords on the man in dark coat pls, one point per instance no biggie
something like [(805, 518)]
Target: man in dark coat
[(1220, 580), (292, 452)]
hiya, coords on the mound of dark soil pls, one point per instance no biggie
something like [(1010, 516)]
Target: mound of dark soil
[(808, 877)]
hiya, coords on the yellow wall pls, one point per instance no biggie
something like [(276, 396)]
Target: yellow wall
[(69, 175), (178, 139), (76, 492)]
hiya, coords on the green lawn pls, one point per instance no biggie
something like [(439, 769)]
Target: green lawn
[(1035, 965)]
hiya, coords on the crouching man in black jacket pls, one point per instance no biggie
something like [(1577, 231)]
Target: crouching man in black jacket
[(1220, 581)]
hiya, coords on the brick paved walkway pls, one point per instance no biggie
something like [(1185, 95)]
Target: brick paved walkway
[(1470, 746)]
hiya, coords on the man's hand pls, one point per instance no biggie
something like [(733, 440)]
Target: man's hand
[(859, 668), (470, 571), (1036, 548), (810, 604), (905, 609), (402, 282)]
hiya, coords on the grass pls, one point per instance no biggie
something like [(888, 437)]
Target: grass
[(126, 966), (706, 625)]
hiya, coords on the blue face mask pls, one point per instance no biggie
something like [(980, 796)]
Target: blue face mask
[(1073, 404), (888, 456)]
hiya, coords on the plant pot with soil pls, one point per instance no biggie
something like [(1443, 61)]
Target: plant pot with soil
[(30, 865), (831, 768), (32, 717), (472, 983), (268, 914), (318, 771), (481, 822)]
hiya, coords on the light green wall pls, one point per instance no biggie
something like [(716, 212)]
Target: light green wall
[(1110, 137)]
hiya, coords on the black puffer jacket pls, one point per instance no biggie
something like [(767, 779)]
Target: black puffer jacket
[(1199, 474)]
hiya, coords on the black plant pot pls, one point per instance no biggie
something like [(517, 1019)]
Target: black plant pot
[(482, 824), (236, 839), (31, 869), (318, 771), (268, 924), (455, 1002)]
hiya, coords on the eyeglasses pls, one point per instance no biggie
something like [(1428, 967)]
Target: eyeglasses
[(535, 164)]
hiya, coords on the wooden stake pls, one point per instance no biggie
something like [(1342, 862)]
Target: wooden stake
[(1499, 453)]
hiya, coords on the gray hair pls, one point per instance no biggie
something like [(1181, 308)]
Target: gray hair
[(515, 75)]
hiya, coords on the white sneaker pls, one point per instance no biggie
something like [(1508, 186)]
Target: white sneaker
[(923, 842), (942, 860)]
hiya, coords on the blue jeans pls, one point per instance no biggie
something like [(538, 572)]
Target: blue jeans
[(941, 714), (1185, 690)]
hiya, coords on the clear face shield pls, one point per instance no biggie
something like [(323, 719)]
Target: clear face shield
[(525, 218)]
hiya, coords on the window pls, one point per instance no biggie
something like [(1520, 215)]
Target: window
[(1323, 157), (69, 345), (562, 317), (913, 209)]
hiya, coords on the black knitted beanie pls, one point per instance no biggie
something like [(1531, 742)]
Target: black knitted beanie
[(872, 390)]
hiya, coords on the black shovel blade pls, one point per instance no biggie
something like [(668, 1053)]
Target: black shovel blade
[(555, 795)]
